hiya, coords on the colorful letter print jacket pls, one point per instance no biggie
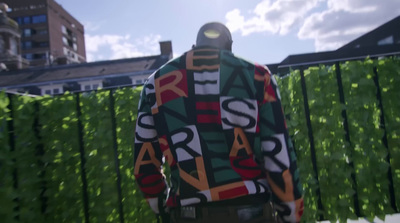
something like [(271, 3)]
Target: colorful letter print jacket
[(217, 121)]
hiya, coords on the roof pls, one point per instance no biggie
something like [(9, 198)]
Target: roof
[(372, 37), (362, 47), (82, 72), (340, 55)]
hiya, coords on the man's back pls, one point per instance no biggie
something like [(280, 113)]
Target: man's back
[(218, 122)]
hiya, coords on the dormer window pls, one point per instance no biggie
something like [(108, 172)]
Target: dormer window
[(139, 80), (386, 41), (91, 85), (52, 89)]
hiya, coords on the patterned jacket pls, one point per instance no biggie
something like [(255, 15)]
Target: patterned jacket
[(218, 122)]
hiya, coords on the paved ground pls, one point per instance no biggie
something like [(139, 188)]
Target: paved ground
[(389, 219)]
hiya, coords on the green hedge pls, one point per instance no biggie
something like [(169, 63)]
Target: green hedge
[(42, 179), (66, 162), (352, 165)]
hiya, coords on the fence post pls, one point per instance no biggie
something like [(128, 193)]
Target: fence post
[(384, 140), (115, 145), (83, 160), (311, 138), (11, 135), (347, 136), (39, 154)]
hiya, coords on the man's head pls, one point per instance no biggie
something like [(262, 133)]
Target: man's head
[(214, 34)]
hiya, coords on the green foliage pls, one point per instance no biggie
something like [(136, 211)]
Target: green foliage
[(27, 167), (293, 106), (41, 174), (99, 153), (126, 104), (332, 151), (389, 80), (337, 158), (7, 194), (368, 152), (59, 131)]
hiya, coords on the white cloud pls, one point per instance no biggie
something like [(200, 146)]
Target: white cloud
[(353, 6), (109, 47), (336, 23), (277, 17), (235, 20), (345, 20)]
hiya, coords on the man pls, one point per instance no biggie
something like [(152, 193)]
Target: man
[(218, 122)]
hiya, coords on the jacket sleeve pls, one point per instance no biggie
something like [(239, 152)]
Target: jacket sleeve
[(147, 153), (278, 153)]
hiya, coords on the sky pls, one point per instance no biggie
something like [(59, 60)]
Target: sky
[(263, 31)]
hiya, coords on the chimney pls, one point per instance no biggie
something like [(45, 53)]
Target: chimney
[(166, 48)]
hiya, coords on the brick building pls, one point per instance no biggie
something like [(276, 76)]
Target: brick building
[(49, 34)]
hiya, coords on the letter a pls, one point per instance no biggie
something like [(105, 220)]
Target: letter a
[(146, 148), (242, 144)]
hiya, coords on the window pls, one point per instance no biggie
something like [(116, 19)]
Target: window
[(138, 80), (26, 20), (65, 40), (39, 19), (19, 20), (42, 32), (52, 89), (386, 41), (43, 44), (35, 56), (70, 33), (40, 56), (28, 56), (91, 85), (64, 29), (27, 32), (27, 45), (68, 42), (31, 19), (13, 46)]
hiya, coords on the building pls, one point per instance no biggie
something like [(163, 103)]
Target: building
[(84, 76), (49, 34), (10, 48)]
